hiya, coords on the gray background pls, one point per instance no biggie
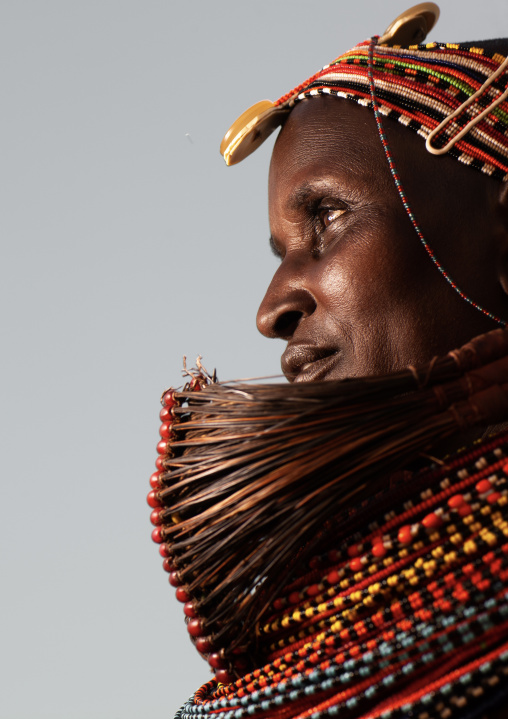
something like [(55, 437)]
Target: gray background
[(126, 243)]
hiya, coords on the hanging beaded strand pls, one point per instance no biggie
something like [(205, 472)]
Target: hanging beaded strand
[(403, 196)]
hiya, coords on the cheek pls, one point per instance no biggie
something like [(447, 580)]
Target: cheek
[(367, 277)]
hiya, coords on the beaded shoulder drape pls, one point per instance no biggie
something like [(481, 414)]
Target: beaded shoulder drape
[(406, 615)]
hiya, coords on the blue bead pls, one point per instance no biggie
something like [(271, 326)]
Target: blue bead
[(387, 681)]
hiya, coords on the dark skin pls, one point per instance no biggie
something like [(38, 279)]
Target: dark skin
[(356, 293)]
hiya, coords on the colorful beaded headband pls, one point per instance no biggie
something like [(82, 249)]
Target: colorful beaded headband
[(454, 96)]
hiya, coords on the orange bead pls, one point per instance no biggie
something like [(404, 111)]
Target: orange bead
[(165, 430), (493, 497), (484, 486), (456, 501), (432, 521), (154, 480), (405, 535), (379, 550), (333, 577), (356, 564)]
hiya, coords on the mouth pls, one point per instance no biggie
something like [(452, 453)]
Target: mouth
[(306, 363)]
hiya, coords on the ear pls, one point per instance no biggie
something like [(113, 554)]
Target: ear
[(502, 234)]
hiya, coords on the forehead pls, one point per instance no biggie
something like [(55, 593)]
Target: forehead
[(328, 138)]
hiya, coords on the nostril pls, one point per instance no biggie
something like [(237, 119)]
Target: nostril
[(286, 324)]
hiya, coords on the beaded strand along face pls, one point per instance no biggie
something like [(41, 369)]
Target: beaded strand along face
[(400, 189)]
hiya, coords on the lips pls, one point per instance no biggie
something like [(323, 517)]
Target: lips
[(307, 363)]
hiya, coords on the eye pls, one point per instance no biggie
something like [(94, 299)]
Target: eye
[(328, 215)]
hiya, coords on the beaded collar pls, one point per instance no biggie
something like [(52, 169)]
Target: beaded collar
[(407, 615)]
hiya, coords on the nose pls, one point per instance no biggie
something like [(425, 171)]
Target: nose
[(288, 300)]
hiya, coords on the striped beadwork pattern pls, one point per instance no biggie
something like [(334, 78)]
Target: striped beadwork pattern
[(420, 86), (407, 615)]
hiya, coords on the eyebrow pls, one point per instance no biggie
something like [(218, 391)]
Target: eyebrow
[(298, 197)]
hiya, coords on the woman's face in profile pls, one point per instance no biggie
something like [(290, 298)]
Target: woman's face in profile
[(355, 292)]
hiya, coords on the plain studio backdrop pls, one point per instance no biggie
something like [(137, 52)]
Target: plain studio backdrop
[(126, 243)]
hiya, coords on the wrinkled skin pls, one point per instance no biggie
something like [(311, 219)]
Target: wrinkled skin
[(356, 293)]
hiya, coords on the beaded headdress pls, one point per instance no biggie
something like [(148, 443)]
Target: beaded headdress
[(452, 95), (455, 96)]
